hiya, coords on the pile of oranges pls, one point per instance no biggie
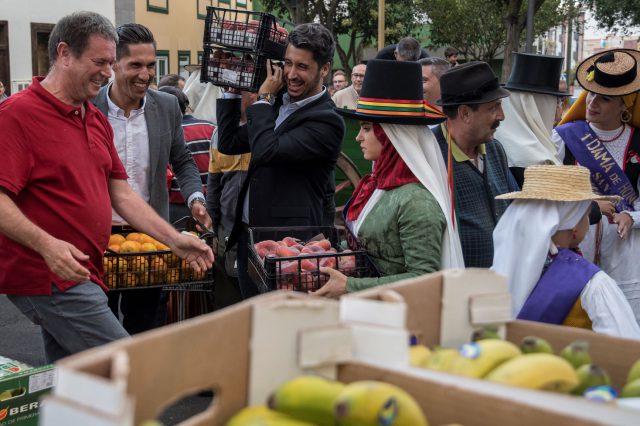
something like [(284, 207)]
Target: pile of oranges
[(138, 260)]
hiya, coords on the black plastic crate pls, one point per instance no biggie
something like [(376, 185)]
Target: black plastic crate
[(257, 32), (126, 271), (233, 68), (301, 272)]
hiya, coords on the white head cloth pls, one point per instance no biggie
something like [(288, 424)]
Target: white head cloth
[(522, 240), (420, 151), (202, 97), (525, 132)]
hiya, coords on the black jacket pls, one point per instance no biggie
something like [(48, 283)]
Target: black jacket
[(292, 167)]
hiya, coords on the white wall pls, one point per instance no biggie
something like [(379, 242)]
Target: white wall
[(21, 13)]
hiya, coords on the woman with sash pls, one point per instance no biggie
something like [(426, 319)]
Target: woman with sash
[(600, 132), (401, 213), (550, 281)]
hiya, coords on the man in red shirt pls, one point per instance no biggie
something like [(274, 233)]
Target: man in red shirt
[(59, 177)]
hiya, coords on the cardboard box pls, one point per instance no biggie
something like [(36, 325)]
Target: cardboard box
[(437, 320), (245, 351), (21, 388)]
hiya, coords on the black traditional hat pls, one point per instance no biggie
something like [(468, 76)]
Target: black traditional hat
[(610, 73), (392, 93), (470, 83), (536, 73)]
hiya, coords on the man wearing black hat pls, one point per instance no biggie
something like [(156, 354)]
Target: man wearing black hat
[(294, 137), (471, 99)]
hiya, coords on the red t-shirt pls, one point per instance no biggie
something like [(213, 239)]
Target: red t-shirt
[(56, 166)]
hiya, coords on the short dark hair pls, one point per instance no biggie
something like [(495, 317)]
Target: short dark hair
[(450, 51), (76, 29), (170, 80), (438, 65), (409, 49), (451, 111), (132, 34), (317, 39), (183, 101)]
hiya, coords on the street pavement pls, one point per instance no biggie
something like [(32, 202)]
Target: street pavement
[(21, 341)]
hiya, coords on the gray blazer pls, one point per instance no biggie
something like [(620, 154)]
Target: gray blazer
[(166, 146)]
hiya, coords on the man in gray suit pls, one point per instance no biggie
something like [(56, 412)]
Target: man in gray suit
[(148, 136)]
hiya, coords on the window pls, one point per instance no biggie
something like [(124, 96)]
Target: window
[(200, 53), (201, 8), (241, 3), (158, 6), (162, 64), (184, 59)]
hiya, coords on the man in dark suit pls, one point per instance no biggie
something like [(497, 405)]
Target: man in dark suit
[(294, 137), (148, 136)]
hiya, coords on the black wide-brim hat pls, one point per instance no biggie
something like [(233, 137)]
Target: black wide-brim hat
[(470, 83), (610, 73), (392, 93), (536, 74)]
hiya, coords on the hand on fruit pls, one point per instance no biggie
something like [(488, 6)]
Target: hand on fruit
[(62, 258), (335, 287), (607, 208), (193, 250), (624, 222), (273, 83), (199, 212)]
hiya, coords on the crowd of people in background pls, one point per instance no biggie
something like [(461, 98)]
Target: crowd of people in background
[(465, 172)]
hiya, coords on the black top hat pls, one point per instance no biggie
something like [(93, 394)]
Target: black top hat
[(536, 73), (470, 83), (392, 93)]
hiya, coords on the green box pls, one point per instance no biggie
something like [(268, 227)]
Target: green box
[(21, 387)]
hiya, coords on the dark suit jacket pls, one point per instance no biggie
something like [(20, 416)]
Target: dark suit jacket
[(166, 146), (292, 167)]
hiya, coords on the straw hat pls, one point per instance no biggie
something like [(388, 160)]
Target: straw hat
[(610, 73), (557, 183)]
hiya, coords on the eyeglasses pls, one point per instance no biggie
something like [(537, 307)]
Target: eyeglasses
[(357, 75)]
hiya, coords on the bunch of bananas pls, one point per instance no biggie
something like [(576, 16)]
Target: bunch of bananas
[(531, 365), (314, 401)]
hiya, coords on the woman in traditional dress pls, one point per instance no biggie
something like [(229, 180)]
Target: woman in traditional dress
[(600, 132), (536, 244), (401, 213)]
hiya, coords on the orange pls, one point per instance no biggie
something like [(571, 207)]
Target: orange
[(161, 247), (115, 247), (116, 239), (148, 247), (158, 270), (134, 236), (130, 247), (144, 238)]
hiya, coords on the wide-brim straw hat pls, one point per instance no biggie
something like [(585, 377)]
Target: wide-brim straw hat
[(557, 183), (610, 73)]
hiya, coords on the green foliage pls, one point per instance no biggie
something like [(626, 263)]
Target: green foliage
[(615, 13)]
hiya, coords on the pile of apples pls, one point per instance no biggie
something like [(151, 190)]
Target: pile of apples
[(241, 34), (301, 272)]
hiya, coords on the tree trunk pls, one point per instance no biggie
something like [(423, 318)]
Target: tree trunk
[(513, 35)]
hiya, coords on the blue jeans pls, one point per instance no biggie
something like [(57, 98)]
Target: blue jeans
[(71, 321)]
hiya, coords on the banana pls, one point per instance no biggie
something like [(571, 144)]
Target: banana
[(479, 358), (536, 371), (634, 372), (533, 345), (260, 415), (577, 353), (589, 376), (631, 389), (419, 355), (442, 359), (307, 398), (371, 403)]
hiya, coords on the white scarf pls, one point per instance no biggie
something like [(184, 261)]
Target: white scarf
[(522, 239), (420, 151), (525, 132)]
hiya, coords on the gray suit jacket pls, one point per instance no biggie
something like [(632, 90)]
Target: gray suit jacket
[(166, 146)]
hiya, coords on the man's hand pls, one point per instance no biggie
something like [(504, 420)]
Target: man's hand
[(62, 258), (335, 287), (274, 82), (624, 222), (193, 250), (607, 208), (199, 212)]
